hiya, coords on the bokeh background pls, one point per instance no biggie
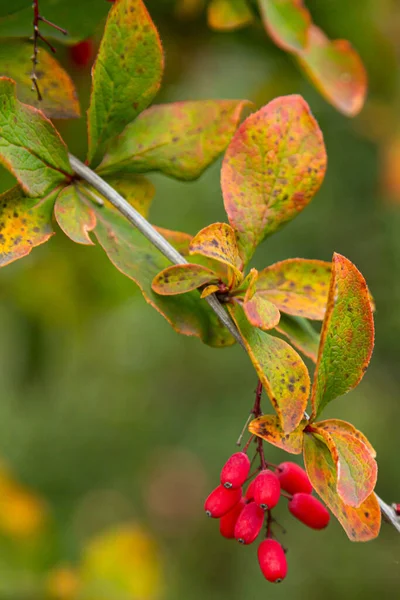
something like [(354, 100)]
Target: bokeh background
[(113, 427)]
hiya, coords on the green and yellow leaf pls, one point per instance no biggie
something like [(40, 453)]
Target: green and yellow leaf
[(337, 426), (218, 242), (301, 335), (74, 215), (287, 22), (260, 312), (180, 279), (268, 428), (136, 189), (272, 168), (228, 15)]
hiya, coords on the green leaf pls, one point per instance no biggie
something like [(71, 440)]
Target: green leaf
[(218, 242), (24, 223), (301, 335), (336, 70), (79, 18), (268, 428), (361, 524), (180, 279), (337, 425), (227, 15), (347, 336), (59, 99), (74, 215), (272, 168), (356, 468), (287, 22), (297, 286), (133, 255), (126, 75), (280, 369), (30, 146), (258, 310), (180, 139), (136, 189)]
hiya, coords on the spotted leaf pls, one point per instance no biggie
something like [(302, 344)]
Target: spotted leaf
[(24, 223), (279, 367), (180, 139), (272, 168), (218, 242), (297, 286), (301, 334), (74, 215), (260, 312), (126, 75), (179, 279), (362, 523), (287, 22), (227, 15), (268, 428), (347, 335)]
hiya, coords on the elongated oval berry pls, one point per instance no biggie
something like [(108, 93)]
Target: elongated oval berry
[(249, 523), (82, 53), (309, 510), (221, 501), (249, 495), (293, 478), (228, 522), (236, 470), (272, 560), (267, 489)]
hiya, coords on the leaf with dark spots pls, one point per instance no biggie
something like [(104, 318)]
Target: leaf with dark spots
[(133, 255), (356, 468), (260, 312), (218, 242), (336, 70), (180, 139), (74, 215), (126, 75), (347, 335), (297, 286), (287, 22), (59, 99), (268, 428), (30, 146), (280, 369), (301, 335), (272, 168), (228, 15), (362, 523), (24, 223), (136, 189), (179, 279), (210, 289)]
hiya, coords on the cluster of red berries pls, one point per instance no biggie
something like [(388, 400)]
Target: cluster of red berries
[(242, 515)]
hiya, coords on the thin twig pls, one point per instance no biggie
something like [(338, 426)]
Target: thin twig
[(173, 255)]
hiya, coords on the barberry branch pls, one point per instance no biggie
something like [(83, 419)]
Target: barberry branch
[(173, 255)]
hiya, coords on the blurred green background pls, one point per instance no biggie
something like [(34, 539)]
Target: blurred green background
[(111, 422)]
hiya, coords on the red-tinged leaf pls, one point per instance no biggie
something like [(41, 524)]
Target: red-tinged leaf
[(287, 22), (347, 335), (180, 139), (24, 223), (343, 427), (268, 428), (218, 242), (280, 369), (180, 279), (297, 286), (227, 15), (30, 146), (361, 524), (210, 289), (136, 189), (137, 258), (259, 311), (74, 215), (272, 168), (336, 70), (59, 99), (126, 75), (301, 334), (356, 469)]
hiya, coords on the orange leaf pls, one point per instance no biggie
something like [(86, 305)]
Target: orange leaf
[(210, 289), (269, 429), (259, 311), (361, 524), (227, 15)]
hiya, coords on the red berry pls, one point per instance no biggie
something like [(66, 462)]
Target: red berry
[(221, 501), (293, 478), (82, 53), (309, 510), (396, 508), (249, 495), (267, 489), (236, 470), (228, 521), (249, 523), (272, 560)]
